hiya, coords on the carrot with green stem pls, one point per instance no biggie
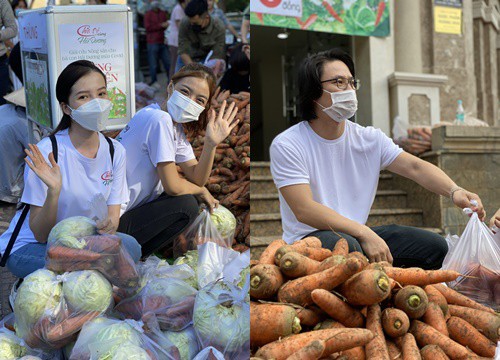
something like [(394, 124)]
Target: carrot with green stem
[(311, 351), (433, 352), (485, 322), (265, 281), (420, 277), (337, 309), (377, 348), (284, 322), (395, 322), (267, 257), (455, 298), (298, 291), (412, 300), (467, 335), (296, 265), (427, 335), (336, 340), (366, 288), (434, 317)]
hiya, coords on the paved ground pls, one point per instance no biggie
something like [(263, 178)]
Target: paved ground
[(7, 212)]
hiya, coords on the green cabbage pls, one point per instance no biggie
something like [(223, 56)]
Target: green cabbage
[(244, 276), (40, 291), (10, 347), (87, 291), (220, 319), (185, 341), (153, 268), (76, 227), (224, 221), (130, 352), (175, 289), (190, 258)]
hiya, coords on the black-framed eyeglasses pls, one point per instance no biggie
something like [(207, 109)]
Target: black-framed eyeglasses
[(342, 82)]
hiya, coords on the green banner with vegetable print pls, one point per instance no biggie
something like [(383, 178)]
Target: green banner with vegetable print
[(351, 17)]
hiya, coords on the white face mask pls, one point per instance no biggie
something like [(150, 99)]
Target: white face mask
[(182, 109), (92, 115), (344, 105)]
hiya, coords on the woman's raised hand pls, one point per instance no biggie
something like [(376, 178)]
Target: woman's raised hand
[(50, 174), (219, 128)]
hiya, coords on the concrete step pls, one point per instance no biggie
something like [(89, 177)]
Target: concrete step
[(270, 223), (259, 243), (385, 181), (260, 168), (269, 203)]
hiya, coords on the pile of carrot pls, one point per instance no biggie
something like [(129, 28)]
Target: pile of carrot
[(229, 181), (312, 303)]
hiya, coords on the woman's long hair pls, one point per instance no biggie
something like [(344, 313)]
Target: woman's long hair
[(68, 77)]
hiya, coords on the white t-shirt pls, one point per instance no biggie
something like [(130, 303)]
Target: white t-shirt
[(342, 173), (173, 29), (82, 178), (149, 138)]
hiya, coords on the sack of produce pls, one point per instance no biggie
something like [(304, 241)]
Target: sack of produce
[(50, 309), (227, 306), (476, 255), (155, 267), (103, 339), (74, 244), (170, 300)]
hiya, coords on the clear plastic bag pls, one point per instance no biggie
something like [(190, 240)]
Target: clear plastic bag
[(201, 231), (170, 300), (50, 309), (74, 244), (212, 258), (228, 307), (476, 255), (209, 353), (11, 346), (104, 338), (154, 267)]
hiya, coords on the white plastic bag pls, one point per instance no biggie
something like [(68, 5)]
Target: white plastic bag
[(476, 255)]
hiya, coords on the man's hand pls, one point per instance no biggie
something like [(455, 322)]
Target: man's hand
[(374, 246), (208, 199), (462, 198), (495, 220)]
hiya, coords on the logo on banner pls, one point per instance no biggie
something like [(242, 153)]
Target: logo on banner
[(91, 35), (278, 7)]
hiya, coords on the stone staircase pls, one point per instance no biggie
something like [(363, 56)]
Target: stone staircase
[(390, 207)]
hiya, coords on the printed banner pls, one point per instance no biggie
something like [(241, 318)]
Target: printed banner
[(37, 91), (104, 45), (33, 32), (451, 3), (352, 17), (448, 20)]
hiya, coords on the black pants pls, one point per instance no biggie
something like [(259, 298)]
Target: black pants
[(158, 223), (410, 246)]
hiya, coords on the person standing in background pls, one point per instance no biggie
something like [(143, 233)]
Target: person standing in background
[(173, 32), (155, 22), (245, 26), (8, 30), (217, 13), (17, 7)]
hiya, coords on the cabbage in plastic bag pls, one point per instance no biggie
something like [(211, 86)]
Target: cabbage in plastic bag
[(87, 291), (70, 230), (224, 222), (11, 347), (185, 341)]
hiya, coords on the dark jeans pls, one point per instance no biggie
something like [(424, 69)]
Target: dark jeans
[(158, 223), (4, 78), (155, 52), (410, 246)]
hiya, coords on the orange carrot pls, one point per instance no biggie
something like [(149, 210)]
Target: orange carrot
[(338, 309), (311, 351), (420, 277), (341, 247), (267, 256), (360, 256), (68, 327), (427, 335), (245, 162), (485, 322), (395, 322), (283, 318), (331, 261), (336, 340), (377, 348), (296, 265), (410, 348), (412, 300), (464, 333), (366, 288), (243, 139), (265, 281), (308, 317), (298, 291), (455, 298), (311, 241), (318, 254), (65, 253), (103, 244), (434, 317), (433, 352), (435, 296), (394, 352)]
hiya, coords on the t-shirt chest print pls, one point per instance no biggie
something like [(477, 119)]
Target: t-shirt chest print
[(107, 177)]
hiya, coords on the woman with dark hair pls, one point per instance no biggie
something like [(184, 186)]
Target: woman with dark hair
[(237, 77), (162, 204), (87, 163), (327, 169)]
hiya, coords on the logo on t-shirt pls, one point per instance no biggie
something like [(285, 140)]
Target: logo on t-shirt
[(107, 178)]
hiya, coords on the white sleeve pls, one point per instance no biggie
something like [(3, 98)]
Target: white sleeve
[(287, 166), (184, 149), (389, 151), (119, 188), (160, 141), (35, 190)]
